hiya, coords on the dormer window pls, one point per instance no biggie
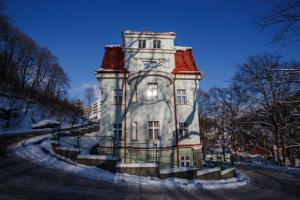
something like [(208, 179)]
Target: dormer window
[(142, 43), (156, 44)]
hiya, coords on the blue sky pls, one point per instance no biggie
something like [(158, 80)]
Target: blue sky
[(221, 32)]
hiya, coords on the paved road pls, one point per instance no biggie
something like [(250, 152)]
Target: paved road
[(22, 179)]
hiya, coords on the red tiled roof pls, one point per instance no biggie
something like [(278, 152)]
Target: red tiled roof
[(184, 62), (113, 60)]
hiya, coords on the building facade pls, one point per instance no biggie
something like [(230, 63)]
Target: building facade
[(92, 112), (149, 110)]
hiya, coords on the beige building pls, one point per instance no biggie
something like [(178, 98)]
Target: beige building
[(93, 111)]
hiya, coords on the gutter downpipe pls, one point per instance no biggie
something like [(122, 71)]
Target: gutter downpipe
[(125, 121), (175, 112)]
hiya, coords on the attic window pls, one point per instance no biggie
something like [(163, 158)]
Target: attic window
[(142, 43), (156, 44)]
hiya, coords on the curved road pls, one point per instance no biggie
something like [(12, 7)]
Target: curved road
[(23, 179)]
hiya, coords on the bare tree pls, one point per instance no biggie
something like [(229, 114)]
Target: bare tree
[(282, 19), (89, 94), (271, 91)]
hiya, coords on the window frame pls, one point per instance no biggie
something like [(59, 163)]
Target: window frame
[(155, 129), (185, 161), (118, 97), (134, 131), (183, 130), (142, 44), (181, 97), (117, 128), (156, 44), (151, 91)]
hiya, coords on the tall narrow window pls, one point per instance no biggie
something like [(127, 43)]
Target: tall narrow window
[(118, 96), (152, 91), (142, 43), (156, 44), (181, 96), (183, 129), (134, 131), (185, 161), (153, 130), (117, 130), (134, 94)]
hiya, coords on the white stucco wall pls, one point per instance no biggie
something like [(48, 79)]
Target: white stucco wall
[(140, 110)]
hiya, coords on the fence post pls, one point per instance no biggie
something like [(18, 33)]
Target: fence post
[(156, 157), (78, 142), (193, 153)]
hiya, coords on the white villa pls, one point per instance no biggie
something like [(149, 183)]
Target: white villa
[(148, 106)]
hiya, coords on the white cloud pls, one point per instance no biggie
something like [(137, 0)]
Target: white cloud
[(78, 92)]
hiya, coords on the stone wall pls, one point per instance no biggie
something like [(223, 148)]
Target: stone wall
[(146, 169), (228, 173), (102, 162), (70, 153), (183, 172), (209, 174)]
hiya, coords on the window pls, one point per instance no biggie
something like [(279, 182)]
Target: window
[(118, 96), (185, 161), (152, 92), (181, 96), (183, 130), (156, 44), (142, 43), (134, 131), (153, 130), (117, 130), (134, 97)]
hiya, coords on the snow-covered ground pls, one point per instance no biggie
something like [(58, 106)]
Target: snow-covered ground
[(260, 165), (39, 150), (86, 142), (25, 132), (45, 123)]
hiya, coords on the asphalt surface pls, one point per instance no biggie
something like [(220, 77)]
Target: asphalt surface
[(23, 179)]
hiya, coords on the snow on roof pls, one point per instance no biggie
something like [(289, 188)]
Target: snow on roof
[(148, 32), (184, 62), (182, 48), (112, 45), (113, 60)]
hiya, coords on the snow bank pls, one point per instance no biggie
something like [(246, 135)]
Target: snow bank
[(86, 142), (25, 132), (289, 170), (176, 169), (95, 157), (67, 149), (206, 171), (39, 150), (225, 171), (136, 165), (47, 123)]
